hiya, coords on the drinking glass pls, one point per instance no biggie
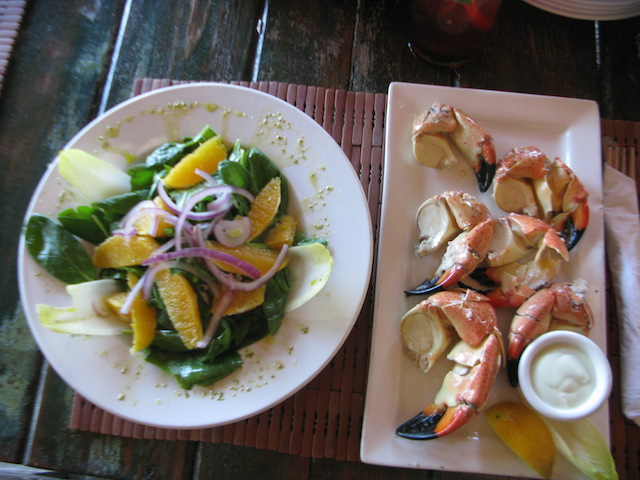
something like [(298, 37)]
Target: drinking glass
[(450, 32)]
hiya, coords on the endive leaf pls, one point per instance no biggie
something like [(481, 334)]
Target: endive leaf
[(583, 445), (94, 178), (88, 314), (310, 266)]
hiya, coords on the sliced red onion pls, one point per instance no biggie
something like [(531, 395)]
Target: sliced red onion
[(233, 233), (216, 315), (168, 245), (248, 286), (199, 252), (207, 177)]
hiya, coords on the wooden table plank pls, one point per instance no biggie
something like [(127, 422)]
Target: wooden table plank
[(308, 43), (48, 96), (620, 92), (197, 40)]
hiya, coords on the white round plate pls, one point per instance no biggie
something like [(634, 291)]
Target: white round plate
[(325, 195), (602, 11)]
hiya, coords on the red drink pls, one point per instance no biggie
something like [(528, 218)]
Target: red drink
[(450, 32)]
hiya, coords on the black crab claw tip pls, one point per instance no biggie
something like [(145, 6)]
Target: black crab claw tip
[(571, 234), (485, 175), (428, 286), (512, 371), (420, 427)]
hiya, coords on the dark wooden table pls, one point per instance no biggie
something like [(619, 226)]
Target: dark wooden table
[(73, 59)]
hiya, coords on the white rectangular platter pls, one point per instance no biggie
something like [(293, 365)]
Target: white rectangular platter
[(397, 390)]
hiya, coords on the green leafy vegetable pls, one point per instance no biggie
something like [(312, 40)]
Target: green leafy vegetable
[(58, 251), (189, 370), (85, 222), (92, 223), (275, 298), (582, 444), (168, 154), (116, 207)]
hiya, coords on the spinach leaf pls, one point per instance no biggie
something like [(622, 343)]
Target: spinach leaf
[(248, 328), (261, 170), (88, 223), (92, 223), (116, 207), (169, 153), (275, 299), (234, 173), (219, 344), (142, 177), (168, 340), (189, 370), (58, 251)]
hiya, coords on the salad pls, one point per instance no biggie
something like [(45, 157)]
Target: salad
[(191, 253)]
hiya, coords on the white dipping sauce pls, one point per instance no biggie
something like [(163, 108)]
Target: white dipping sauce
[(563, 376)]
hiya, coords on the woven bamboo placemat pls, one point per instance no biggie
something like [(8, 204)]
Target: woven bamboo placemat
[(324, 419), (11, 12)]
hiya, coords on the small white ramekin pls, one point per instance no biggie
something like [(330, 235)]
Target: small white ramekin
[(599, 366)]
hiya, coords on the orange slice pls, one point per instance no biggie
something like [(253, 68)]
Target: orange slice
[(143, 224), (143, 319), (245, 301), (206, 157), (265, 207), (282, 233), (257, 255), (181, 303), (120, 251), (524, 432)]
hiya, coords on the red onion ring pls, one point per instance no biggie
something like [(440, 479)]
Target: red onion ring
[(222, 228), (199, 252)]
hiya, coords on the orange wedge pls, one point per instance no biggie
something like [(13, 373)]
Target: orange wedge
[(143, 319), (120, 251), (257, 255), (181, 303), (282, 233), (524, 432), (265, 207), (206, 157)]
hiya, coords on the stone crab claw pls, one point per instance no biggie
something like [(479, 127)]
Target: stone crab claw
[(525, 255), (442, 130), (463, 254), (426, 331), (529, 182), (562, 306), (442, 217)]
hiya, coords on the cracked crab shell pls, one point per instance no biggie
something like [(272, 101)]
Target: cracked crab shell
[(440, 218)]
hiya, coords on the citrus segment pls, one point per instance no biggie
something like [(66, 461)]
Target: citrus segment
[(206, 158), (259, 256), (120, 251), (265, 207), (282, 232), (181, 304), (145, 224), (115, 302), (245, 301), (143, 319), (524, 432)]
